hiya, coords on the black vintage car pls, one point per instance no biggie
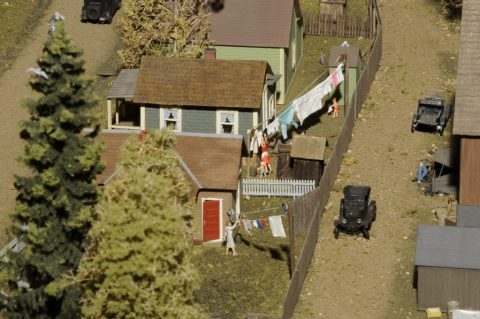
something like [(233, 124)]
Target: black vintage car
[(356, 213), (99, 10), (432, 114)]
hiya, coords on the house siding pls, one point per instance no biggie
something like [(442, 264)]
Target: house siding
[(152, 117), (228, 201), (296, 36), (271, 55), (199, 120), (469, 171), (245, 122), (436, 286)]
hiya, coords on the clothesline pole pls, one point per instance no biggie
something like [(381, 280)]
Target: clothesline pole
[(346, 86)]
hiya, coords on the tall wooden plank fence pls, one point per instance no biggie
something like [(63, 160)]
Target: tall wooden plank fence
[(312, 204), (346, 26)]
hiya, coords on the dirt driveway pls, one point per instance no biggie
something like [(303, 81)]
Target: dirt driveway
[(352, 277), (97, 42)]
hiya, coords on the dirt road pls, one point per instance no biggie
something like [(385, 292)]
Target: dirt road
[(97, 42), (352, 277)]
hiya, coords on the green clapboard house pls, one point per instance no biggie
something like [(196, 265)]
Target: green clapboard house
[(261, 30), (193, 95)]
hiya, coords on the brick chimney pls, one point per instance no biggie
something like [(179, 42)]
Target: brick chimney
[(210, 54)]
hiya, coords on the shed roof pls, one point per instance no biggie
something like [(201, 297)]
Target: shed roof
[(467, 99), (446, 157), (254, 23), (353, 54), (200, 82), (308, 147), (468, 215), (124, 84), (449, 247), (212, 161)]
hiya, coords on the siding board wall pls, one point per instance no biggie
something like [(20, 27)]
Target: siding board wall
[(271, 55), (199, 120), (436, 286), (245, 122), (469, 171), (152, 117)]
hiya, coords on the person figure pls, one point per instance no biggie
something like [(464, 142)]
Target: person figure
[(266, 160), (336, 107), (228, 237), (422, 171), (262, 169)]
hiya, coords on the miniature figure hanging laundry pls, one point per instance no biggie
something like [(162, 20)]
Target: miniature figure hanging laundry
[(266, 161), (276, 226), (228, 237)]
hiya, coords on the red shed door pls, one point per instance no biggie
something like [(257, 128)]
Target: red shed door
[(211, 220)]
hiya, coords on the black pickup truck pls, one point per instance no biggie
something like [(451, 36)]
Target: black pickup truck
[(99, 10)]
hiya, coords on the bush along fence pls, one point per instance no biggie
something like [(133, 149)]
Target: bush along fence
[(342, 25), (276, 187), (309, 207)]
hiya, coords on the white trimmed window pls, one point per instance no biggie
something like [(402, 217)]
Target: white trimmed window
[(171, 118), (227, 122), (272, 105)]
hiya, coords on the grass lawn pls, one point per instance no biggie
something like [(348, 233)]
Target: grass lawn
[(19, 18)]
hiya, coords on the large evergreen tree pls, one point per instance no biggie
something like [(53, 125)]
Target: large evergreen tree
[(139, 262), (56, 201), (163, 27)]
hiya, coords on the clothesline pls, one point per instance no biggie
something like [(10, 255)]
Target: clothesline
[(261, 211), (305, 105)]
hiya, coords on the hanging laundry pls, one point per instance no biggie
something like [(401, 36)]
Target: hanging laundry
[(276, 226), (337, 76), (312, 101), (286, 118), (272, 128), (247, 225), (254, 223), (260, 226), (264, 223)]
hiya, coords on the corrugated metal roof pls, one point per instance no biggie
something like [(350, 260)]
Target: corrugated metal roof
[(308, 147), (468, 215), (124, 85), (254, 23), (353, 53), (467, 100), (200, 82), (447, 246)]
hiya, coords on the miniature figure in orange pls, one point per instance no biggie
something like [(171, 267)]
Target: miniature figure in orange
[(336, 107)]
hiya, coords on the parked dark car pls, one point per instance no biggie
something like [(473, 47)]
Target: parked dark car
[(356, 213), (99, 10), (432, 114)]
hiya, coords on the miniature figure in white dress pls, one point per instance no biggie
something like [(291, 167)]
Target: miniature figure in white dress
[(228, 237)]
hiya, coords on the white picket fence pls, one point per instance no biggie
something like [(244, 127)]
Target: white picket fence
[(276, 187)]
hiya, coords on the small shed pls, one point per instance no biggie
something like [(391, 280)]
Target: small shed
[(308, 157), (335, 7), (284, 162), (354, 63), (447, 263), (468, 216)]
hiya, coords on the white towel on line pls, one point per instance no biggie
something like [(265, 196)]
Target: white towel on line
[(276, 226)]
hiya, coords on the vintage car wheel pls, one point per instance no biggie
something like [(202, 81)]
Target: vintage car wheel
[(366, 234), (336, 232)]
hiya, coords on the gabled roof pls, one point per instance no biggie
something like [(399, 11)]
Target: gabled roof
[(449, 247), (254, 23), (200, 82), (467, 101), (212, 161)]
